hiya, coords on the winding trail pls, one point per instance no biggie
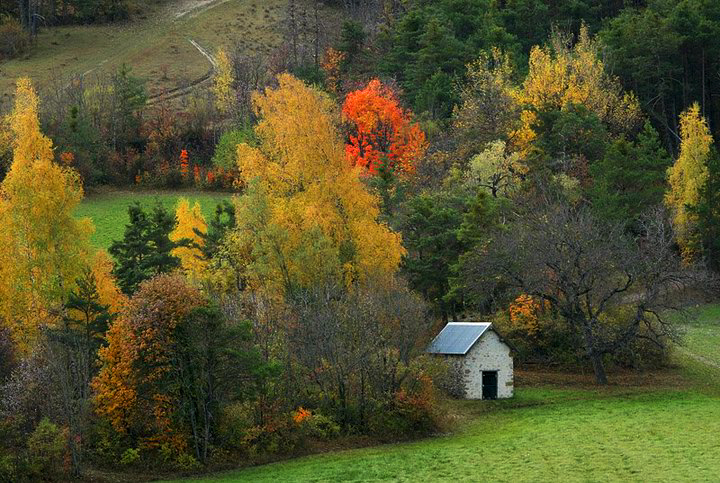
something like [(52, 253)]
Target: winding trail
[(188, 8), (196, 7), (191, 9), (699, 358), (182, 91)]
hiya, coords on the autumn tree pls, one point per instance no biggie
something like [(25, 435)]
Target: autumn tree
[(140, 345), (306, 214), (109, 293), (172, 361), (489, 107), (382, 133), (564, 74), (495, 170), (688, 175), (189, 236), (223, 81), (44, 246)]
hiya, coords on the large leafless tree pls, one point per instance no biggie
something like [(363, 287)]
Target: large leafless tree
[(587, 269)]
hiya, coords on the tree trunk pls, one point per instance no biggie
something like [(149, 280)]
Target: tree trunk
[(594, 356), (598, 368)]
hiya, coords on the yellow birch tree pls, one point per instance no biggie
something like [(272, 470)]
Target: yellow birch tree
[(45, 249), (689, 174), (563, 74), (189, 220), (223, 83), (306, 214)]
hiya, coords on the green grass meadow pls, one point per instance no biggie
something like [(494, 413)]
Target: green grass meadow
[(108, 211), (657, 431)]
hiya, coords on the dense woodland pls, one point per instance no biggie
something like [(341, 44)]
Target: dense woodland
[(547, 165)]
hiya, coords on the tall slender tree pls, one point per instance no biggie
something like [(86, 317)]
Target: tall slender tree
[(45, 248), (688, 176)]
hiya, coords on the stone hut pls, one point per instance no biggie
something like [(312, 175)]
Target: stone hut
[(482, 361)]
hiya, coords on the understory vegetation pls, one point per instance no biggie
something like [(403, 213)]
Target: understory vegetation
[(250, 265), (556, 426)]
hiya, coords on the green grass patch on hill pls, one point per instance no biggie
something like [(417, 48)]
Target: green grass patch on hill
[(157, 46), (575, 436), (618, 433), (702, 333), (108, 211)]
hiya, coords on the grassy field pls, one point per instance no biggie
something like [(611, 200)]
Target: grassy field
[(109, 211), (663, 429), (157, 46)]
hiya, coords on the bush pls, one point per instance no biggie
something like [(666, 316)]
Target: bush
[(46, 451), (641, 352), (411, 412), (106, 446), (237, 428), (13, 39), (130, 456), (7, 468), (315, 425), (225, 156)]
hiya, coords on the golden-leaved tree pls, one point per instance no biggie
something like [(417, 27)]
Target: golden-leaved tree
[(306, 215), (563, 74), (190, 225), (44, 248), (108, 291), (688, 175), (223, 83)]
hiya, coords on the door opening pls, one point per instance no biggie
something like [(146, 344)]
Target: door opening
[(489, 384)]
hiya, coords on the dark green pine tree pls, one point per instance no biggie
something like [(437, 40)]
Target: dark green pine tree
[(92, 318), (145, 249), (430, 225), (223, 220), (630, 178), (708, 213), (86, 319), (161, 260)]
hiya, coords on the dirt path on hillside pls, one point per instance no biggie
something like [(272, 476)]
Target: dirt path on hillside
[(193, 7), (190, 8), (182, 91), (699, 358)]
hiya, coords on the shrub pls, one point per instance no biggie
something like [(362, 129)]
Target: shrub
[(186, 462), (641, 352), (7, 468), (107, 446), (411, 411), (237, 428), (225, 156), (130, 456), (13, 39), (315, 425), (46, 450)]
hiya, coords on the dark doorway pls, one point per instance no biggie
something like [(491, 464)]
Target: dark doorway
[(489, 384)]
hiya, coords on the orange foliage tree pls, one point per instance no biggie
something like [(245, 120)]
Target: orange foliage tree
[(332, 66), (525, 312), (382, 133), (184, 163), (129, 389)]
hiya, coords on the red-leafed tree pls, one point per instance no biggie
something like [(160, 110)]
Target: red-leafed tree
[(382, 134)]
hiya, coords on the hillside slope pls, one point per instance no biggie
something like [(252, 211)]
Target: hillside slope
[(157, 47)]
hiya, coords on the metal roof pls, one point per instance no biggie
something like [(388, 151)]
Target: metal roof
[(458, 337)]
